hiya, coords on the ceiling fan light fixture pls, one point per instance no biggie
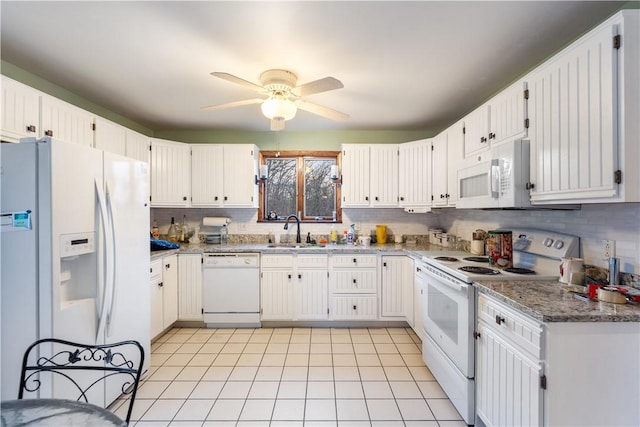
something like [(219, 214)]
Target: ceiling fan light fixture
[(278, 107)]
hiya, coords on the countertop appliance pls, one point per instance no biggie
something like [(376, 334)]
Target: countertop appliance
[(496, 178), (449, 314), (231, 295), (75, 252)]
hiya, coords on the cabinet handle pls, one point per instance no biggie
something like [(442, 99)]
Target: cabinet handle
[(418, 269), (442, 196), (226, 198), (215, 198), (530, 186), (401, 199), (31, 128), (483, 139), (377, 198), (355, 307), (384, 264), (289, 276), (160, 284), (476, 335), (355, 282), (499, 319), (299, 276), (167, 266), (48, 132), (184, 198), (355, 260), (492, 135), (366, 198)]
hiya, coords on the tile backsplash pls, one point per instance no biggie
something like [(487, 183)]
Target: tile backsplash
[(592, 223)]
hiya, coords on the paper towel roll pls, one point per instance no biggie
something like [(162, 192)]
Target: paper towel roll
[(215, 221)]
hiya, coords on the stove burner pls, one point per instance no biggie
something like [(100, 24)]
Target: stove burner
[(477, 259), (478, 270), (517, 270), (446, 258)]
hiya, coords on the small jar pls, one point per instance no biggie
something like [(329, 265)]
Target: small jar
[(445, 239)]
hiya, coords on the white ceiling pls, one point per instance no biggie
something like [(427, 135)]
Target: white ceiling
[(404, 65)]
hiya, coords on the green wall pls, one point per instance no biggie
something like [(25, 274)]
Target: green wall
[(266, 140)]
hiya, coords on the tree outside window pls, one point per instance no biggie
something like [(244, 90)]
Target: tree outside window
[(300, 183)]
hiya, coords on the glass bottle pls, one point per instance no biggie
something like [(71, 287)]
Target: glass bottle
[(172, 234), (155, 231)]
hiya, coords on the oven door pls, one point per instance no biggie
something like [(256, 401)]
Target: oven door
[(448, 315)]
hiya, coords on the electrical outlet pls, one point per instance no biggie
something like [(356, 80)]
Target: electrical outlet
[(608, 249)]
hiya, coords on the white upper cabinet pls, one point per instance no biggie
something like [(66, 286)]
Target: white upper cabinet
[(384, 175), (414, 175), (455, 156), (206, 175), (224, 175), (476, 130), (583, 109), (110, 136), (20, 111), (170, 173), (66, 122), (446, 159), (137, 146), (240, 172), (508, 111), (355, 176)]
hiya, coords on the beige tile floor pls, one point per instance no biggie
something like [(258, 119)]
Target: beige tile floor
[(290, 377)]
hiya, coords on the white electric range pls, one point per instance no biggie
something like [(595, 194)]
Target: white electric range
[(449, 303)]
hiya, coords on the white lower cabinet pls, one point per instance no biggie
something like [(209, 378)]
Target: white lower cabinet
[(294, 287), (397, 287), (164, 294), (353, 287), (553, 373), (190, 287), (419, 283)]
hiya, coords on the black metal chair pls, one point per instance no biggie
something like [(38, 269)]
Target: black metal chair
[(48, 360)]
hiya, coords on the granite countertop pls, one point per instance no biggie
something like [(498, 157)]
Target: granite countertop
[(549, 301)]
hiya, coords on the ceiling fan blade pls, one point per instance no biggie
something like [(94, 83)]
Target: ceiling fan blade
[(317, 86), (321, 110), (232, 104), (234, 79)]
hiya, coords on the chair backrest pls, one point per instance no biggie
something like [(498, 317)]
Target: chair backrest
[(68, 370)]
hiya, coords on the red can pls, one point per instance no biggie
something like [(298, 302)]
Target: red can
[(500, 249)]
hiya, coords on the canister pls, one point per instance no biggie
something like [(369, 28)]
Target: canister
[(500, 249), (381, 234), (434, 236)]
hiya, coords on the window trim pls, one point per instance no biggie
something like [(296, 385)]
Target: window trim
[(300, 155)]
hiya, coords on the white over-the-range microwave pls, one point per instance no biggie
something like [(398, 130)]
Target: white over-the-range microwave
[(496, 178)]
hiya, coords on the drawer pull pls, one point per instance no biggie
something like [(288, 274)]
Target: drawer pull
[(299, 276), (289, 276), (355, 260), (499, 319), (476, 335), (355, 307), (160, 284)]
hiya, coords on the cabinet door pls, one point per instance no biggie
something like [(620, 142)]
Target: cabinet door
[(240, 172), (19, 110), (573, 130), (110, 136), (276, 294), (155, 293), (476, 130), (507, 382), (384, 175), (455, 156), (137, 146), (440, 179), (418, 291), (508, 112), (311, 294), (355, 176), (66, 122), (170, 173), (397, 287), (414, 174), (190, 287), (169, 290), (207, 175)]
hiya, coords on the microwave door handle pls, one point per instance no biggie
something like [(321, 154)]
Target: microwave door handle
[(495, 178)]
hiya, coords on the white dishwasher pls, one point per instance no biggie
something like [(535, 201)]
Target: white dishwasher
[(231, 293)]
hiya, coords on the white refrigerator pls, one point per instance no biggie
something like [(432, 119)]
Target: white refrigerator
[(75, 252)]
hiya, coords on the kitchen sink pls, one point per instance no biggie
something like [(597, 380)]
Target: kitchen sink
[(295, 245)]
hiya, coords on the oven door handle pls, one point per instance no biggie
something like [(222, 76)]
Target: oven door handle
[(452, 285), (442, 279)]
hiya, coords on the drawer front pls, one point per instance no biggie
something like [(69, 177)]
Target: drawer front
[(312, 261), (513, 326), (354, 260), (276, 261), (353, 307), (354, 281), (156, 268)]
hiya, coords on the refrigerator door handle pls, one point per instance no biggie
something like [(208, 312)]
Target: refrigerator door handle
[(103, 301), (111, 264)]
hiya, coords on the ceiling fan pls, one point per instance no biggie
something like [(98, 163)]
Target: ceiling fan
[(282, 96)]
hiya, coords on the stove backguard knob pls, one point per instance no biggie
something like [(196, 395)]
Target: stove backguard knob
[(548, 242), (559, 244)]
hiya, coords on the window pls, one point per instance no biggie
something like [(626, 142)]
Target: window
[(299, 182)]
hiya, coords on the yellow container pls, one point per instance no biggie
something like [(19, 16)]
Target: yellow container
[(381, 234)]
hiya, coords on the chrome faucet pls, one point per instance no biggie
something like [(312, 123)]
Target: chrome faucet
[(286, 227)]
